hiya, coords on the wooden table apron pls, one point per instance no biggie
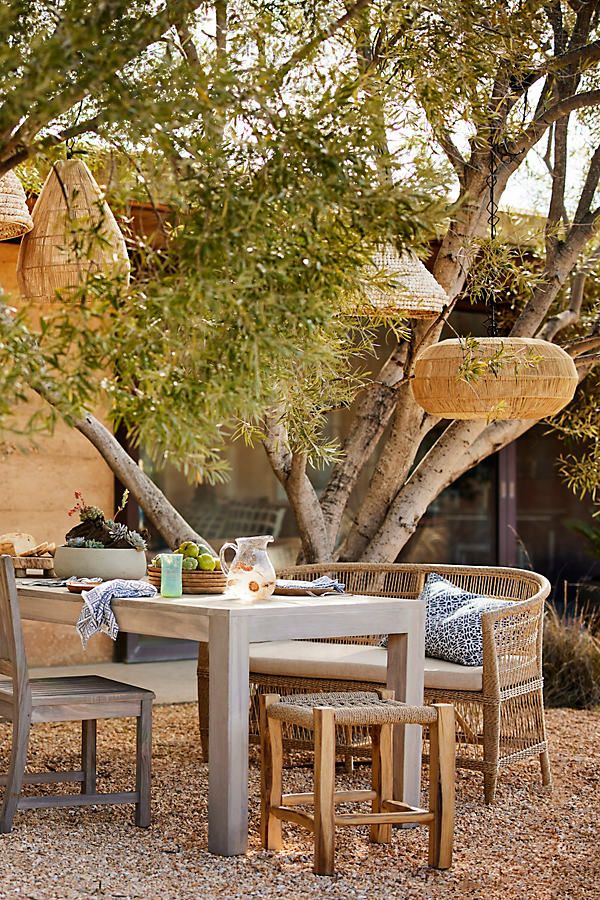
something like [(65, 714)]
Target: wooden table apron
[(230, 626)]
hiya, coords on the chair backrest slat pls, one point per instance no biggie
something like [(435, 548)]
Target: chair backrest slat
[(13, 660)]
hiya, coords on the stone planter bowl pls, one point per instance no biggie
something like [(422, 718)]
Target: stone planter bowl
[(81, 562)]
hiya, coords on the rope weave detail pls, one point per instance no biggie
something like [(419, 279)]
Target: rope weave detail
[(351, 708)]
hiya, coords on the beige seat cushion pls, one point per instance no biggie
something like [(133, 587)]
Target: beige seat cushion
[(352, 662)]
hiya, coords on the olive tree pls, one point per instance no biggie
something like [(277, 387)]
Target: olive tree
[(289, 142)]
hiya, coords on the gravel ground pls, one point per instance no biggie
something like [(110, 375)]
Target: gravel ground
[(529, 845)]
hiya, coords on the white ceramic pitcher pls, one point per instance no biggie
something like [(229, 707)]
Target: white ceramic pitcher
[(250, 575)]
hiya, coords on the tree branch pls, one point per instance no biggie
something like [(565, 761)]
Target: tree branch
[(555, 112), (221, 28), (563, 259), (145, 31), (188, 47), (556, 210), (290, 469), (52, 140), (589, 188), (571, 314), (323, 35), (455, 157), (578, 348), (373, 411), (579, 59), (438, 468)]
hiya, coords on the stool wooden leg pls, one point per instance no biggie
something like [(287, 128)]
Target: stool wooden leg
[(442, 774), (382, 779), (324, 726), (88, 756), (348, 757), (271, 773)]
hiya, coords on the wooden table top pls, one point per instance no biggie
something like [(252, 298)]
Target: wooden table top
[(189, 615)]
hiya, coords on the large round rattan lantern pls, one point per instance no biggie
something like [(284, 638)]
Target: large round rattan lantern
[(14, 214), (74, 236), (514, 378), (408, 290)]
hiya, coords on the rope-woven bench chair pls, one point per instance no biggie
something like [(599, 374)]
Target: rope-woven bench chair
[(378, 711), (499, 706)]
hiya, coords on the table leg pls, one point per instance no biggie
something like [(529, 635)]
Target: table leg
[(228, 736), (405, 676)]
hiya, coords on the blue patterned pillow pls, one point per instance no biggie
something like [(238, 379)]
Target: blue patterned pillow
[(453, 621)]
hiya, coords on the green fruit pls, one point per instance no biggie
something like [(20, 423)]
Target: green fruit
[(207, 562), (204, 551), (189, 548), (156, 562), (189, 563), (217, 564)]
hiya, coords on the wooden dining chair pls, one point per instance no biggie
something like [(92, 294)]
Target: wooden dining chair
[(83, 698)]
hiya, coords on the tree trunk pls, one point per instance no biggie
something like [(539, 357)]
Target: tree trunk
[(390, 473), (168, 522), (438, 469)]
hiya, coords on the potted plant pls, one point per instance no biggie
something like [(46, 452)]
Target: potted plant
[(99, 547)]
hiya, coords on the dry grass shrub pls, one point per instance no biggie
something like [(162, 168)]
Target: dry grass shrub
[(572, 658)]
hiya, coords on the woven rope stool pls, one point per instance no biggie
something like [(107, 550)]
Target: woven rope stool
[(378, 710)]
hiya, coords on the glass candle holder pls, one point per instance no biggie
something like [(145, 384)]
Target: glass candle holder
[(171, 565)]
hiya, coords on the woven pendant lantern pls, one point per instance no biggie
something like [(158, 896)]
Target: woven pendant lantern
[(530, 379), (70, 205), (14, 214), (411, 290), (494, 377)]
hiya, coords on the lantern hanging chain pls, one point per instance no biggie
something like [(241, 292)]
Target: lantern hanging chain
[(493, 218)]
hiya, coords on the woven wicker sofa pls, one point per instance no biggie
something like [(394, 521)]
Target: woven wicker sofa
[(499, 706)]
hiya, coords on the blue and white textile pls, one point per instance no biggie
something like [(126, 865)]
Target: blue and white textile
[(453, 621), (96, 614)]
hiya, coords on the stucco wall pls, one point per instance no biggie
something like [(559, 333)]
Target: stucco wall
[(36, 490)]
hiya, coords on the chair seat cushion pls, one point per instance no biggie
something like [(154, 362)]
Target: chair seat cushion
[(453, 621), (77, 689), (352, 662)]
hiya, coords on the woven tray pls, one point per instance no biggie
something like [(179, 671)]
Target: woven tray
[(194, 582)]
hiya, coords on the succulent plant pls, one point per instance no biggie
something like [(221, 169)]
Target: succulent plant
[(95, 531), (91, 514), (82, 543), (122, 537), (136, 540)]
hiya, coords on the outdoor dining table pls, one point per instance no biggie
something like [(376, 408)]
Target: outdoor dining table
[(230, 626)]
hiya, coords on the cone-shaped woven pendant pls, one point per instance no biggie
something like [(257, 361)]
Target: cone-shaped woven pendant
[(14, 215), (75, 235), (410, 291), (528, 379)]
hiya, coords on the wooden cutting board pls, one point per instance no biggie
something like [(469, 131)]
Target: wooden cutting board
[(44, 565)]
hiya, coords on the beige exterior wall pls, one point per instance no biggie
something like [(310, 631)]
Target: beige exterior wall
[(36, 490)]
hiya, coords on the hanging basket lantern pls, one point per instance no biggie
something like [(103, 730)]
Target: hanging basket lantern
[(14, 214), (70, 210), (527, 379), (411, 291)]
